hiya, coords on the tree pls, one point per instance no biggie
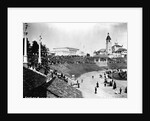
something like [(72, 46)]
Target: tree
[(88, 55), (32, 52), (44, 55), (35, 47)]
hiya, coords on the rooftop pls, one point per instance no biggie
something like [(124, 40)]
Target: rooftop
[(121, 49), (102, 50), (63, 90), (117, 45), (66, 48)]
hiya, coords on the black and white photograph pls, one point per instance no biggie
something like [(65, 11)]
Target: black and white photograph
[(89, 58), (75, 60)]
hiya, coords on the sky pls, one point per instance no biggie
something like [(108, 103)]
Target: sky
[(88, 37)]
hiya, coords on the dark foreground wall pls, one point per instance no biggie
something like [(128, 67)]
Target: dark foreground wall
[(32, 83)]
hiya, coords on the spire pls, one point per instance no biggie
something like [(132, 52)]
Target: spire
[(108, 37)]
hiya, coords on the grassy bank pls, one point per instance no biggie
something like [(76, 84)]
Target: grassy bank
[(81, 68), (117, 65), (76, 69)]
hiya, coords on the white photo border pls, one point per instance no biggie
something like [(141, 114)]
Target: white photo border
[(18, 104)]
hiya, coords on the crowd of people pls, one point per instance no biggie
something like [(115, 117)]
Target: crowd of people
[(111, 83), (53, 74), (122, 74)]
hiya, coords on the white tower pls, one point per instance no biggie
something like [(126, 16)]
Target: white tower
[(108, 45), (25, 60), (39, 59)]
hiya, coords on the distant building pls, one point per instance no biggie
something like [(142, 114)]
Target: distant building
[(80, 53), (65, 51), (121, 52), (111, 51), (99, 52), (101, 60)]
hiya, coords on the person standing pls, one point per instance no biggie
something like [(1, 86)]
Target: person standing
[(114, 85), (78, 85), (120, 90), (95, 90), (97, 84)]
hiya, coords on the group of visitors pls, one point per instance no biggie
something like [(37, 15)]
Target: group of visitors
[(97, 86), (111, 83), (53, 74)]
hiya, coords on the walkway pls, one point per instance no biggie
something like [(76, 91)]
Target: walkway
[(89, 84)]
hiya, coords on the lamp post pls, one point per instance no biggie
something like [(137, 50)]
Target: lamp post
[(39, 59), (25, 60)]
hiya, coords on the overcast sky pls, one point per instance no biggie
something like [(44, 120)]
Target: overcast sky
[(87, 37)]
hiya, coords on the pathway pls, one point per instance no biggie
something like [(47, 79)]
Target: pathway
[(88, 86)]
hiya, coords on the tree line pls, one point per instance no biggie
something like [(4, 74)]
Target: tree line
[(33, 54)]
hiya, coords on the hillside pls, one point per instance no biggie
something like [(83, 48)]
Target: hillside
[(76, 69)]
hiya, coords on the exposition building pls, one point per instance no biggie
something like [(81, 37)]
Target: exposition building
[(66, 51)]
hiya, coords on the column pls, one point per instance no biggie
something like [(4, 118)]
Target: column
[(25, 50), (25, 61), (39, 59)]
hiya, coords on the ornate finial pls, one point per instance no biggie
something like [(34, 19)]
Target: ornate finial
[(108, 34), (26, 26), (40, 38)]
